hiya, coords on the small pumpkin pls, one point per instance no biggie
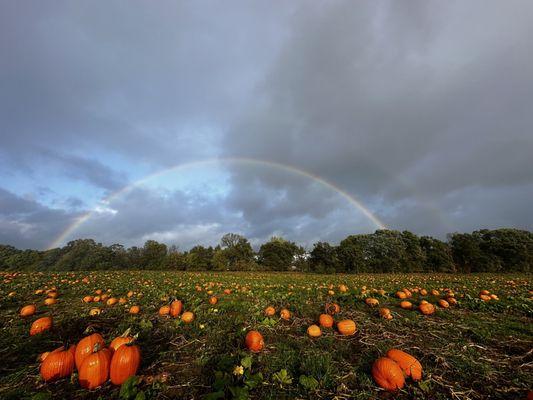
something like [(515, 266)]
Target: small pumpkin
[(50, 300), (371, 301), (95, 311), (213, 300), (406, 305), (314, 331), (443, 303), (325, 320), (270, 311), (135, 309), (112, 301), (86, 346), (40, 325), (388, 374), (124, 363), (88, 299), (346, 327), (28, 311), (401, 294), (285, 314), (332, 308), (187, 317), (164, 310), (58, 364), (175, 308), (426, 308), (409, 364), (254, 341), (94, 369)]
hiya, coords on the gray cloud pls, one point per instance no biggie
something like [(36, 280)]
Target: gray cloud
[(421, 110)]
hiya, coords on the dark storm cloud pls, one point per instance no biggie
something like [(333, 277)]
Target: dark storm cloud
[(420, 109), (27, 223), (403, 103)]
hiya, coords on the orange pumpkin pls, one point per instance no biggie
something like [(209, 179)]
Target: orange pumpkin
[(443, 303), (164, 310), (40, 325), (426, 308), (58, 364), (332, 308), (270, 311), (372, 302), (28, 310), (285, 314), (88, 299), (175, 308), (346, 327), (254, 341), (406, 305), (325, 320), (125, 363), (213, 300), (314, 331), (86, 346), (94, 369), (135, 309), (49, 301), (401, 294), (388, 374), (187, 317), (409, 364), (120, 340)]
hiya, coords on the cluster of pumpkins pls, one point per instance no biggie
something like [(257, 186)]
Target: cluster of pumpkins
[(345, 327), (485, 295), (105, 298), (174, 310), (389, 372), (94, 362)]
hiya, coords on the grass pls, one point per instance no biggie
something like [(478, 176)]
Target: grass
[(474, 350)]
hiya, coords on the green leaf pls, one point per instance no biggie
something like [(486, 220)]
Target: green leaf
[(214, 395), (129, 390), (146, 324), (246, 362), (308, 382), (254, 380), (239, 393), (282, 377)]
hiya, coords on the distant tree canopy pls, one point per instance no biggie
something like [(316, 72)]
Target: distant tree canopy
[(500, 250)]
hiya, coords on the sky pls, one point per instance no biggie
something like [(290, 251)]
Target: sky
[(125, 121)]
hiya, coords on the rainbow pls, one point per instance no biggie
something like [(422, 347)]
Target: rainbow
[(357, 204)]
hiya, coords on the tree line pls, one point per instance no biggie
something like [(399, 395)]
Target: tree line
[(500, 250)]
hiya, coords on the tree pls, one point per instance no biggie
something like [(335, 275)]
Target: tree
[(237, 252), (324, 258), (153, 255), (200, 258), (438, 255), (277, 254)]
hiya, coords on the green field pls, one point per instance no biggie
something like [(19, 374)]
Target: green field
[(472, 350)]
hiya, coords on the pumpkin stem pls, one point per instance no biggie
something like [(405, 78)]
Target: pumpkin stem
[(126, 332)]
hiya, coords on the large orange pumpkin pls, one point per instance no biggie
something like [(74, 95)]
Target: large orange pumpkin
[(388, 374), (58, 364), (254, 341), (94, 369), (346, 327), (40, 325), (175, 308), (120, 340), (325, 320), (86, 346), (426, 308), (409, 364), (125, 363), (28, 310)]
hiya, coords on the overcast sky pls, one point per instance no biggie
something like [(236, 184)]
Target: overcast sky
[(420, 111)]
